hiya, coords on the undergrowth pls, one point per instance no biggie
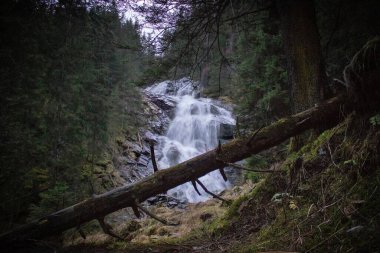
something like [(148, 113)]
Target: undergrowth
[(332, 199)]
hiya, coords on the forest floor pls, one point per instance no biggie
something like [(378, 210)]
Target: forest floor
[(149, 235), (325, 198)]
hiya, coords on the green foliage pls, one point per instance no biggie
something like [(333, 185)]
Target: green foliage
[(257, 162), (52, 200), (260, 78), (68, 89), (375, 120)]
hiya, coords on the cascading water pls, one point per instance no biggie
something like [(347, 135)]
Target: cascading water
[(194, 130)]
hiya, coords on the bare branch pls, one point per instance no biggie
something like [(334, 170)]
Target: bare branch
[(165, 222), (211, 193), (107, 229)]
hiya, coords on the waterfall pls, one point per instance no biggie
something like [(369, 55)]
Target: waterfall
[(193, 130)]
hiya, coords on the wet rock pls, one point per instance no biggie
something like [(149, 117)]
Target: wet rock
[(173, 154), (131, 146), (164, 103), (157, 118), (143, 160), (157, 127), (131, 157), (145, 150), (168, 201), (158, 123), (234, 176), (170, 88), (124, 160), (194, 110), (142, 171), (223, 104), (226, 131), (125, 173), (150, 137), (214, 110)]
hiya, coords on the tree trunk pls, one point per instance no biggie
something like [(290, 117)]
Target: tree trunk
[(303, 53), (163, 180), (205, 67)]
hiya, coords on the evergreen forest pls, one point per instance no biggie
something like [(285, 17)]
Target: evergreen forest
[(81, 132)]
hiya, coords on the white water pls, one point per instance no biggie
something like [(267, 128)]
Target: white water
[(193, 131)]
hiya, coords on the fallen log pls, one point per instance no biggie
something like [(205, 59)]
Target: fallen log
[(127, 196)]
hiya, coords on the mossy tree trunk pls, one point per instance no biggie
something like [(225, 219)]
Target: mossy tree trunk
[(303, 53)]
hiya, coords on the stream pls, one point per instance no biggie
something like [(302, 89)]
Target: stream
[(196, 126)]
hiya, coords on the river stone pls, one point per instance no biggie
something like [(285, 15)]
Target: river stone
[(235, 177), (226, 131), (145, 150), (171, 114), (170, 88), (143, 160), (125, 173), (194, 110), (214, 110), (142, 171), (131, 146), (168, 201), (173, 155), (163, 102), (150, 137)]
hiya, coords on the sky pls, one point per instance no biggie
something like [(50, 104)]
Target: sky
[(145, 28)]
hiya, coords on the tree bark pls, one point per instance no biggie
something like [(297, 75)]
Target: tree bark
[(303, 53), (163, 180), (305, 66)]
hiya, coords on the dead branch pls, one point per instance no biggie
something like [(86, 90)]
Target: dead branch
[(147, 212), (223, 174), (107, 229), (195, 187), (153, 157), (211, 193)]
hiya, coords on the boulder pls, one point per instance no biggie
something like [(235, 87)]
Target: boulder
[(150, 137), (214, 110), (173, 155), (171, 88), (132, 146), (143, 160), (167, 200), (226, 131), (163, 102), (194, 109)]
